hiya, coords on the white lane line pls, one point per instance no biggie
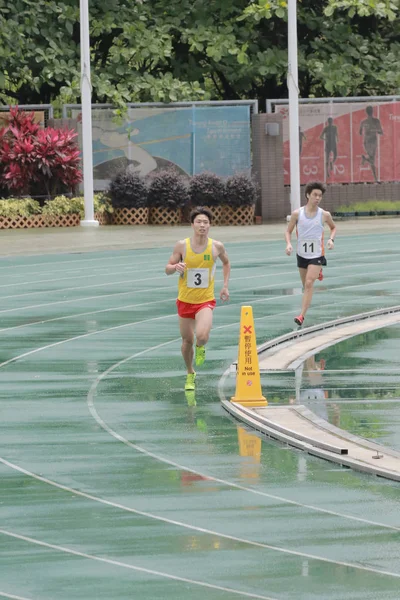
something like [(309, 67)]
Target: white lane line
[(296, 553), (270, 259), (8, 310), (73, 315), (157, 273), (235, 323), (161, 459), (230, 484), (133, 252), (118, 563), (231, 305), (127, 267), (167, 287), (93, 312), (173, 522), (119, 437), (12, 596)]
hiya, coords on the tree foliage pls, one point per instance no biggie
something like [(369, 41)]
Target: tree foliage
[(158, 50)]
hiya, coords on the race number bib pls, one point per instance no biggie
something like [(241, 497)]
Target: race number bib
[(310, 248), (198, 278)]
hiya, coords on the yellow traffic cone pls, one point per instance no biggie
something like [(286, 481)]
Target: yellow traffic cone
[(248, 384)]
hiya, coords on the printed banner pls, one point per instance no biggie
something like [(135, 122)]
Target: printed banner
[(346, 143), (192, 140)]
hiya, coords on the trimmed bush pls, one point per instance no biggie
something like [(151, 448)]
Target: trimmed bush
[(128, 190), (61, 205), (19, 207), (167, 189), (207, 189), (240, 190)]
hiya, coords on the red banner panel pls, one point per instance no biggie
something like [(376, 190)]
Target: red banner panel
[(346, 142)]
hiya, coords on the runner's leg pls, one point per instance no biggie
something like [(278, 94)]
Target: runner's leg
[(186, 327), (311, 275)]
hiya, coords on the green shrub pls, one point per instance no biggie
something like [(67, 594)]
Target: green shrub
[(167, 189), (369, 206), (19, 207), (240, 190), (128, 190), (102, 203), (61, 205), (207, 189)]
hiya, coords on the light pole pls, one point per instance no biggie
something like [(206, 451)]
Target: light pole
[(293, 87), (86, 96)]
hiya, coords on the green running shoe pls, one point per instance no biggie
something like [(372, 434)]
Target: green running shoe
[(190, 397), (190, 381), (200, 355)]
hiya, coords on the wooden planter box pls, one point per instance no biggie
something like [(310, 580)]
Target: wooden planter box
[(241, 215), (39, 221), (103, 218), (36, 221), (22, 222), (130, 216), (165, 216)]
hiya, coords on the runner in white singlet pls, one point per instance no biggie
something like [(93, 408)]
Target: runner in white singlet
[(309, 222)]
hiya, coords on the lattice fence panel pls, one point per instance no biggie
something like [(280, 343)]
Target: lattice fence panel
[(165, 216), (241, 215), (22, 222), (71, 220), (130, 216)]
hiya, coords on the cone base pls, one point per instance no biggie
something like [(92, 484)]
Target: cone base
[(250, 402)]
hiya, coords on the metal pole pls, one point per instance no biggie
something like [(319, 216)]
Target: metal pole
[(86, 94), (293, 87)]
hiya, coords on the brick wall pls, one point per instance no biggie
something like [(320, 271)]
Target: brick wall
[(268, 168)]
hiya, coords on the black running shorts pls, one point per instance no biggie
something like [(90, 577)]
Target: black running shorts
[(303, 263)]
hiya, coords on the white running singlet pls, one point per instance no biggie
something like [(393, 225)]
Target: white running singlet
[(310, 234)]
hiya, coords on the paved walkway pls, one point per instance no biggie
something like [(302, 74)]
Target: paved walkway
[(112, 237)]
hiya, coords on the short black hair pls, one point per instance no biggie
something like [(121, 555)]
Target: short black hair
[(369, 110), (314, 185), (200, 210)]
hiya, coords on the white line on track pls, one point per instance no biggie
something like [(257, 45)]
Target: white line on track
[(158, 272), (117, 436), (195, 528), (12, 596), (85, 335), (159, 458), (119, 563), (271, 259), (133, 252), (168, 287), (257, 492), (74, 315)]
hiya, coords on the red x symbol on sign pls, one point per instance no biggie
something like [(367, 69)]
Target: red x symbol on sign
[(247, 329)]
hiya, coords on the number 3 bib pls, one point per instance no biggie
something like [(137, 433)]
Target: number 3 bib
[(198, 278)]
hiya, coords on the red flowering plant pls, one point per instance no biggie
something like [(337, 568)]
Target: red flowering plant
[(35, 159)]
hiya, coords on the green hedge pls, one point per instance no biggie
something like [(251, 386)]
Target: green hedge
[(60, 205)]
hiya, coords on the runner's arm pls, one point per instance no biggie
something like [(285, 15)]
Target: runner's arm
[(289, 231), (226, 269), (175, 263), (331, 224)]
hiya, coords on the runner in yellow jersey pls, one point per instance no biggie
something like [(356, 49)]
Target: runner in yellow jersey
[(194, 259)]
